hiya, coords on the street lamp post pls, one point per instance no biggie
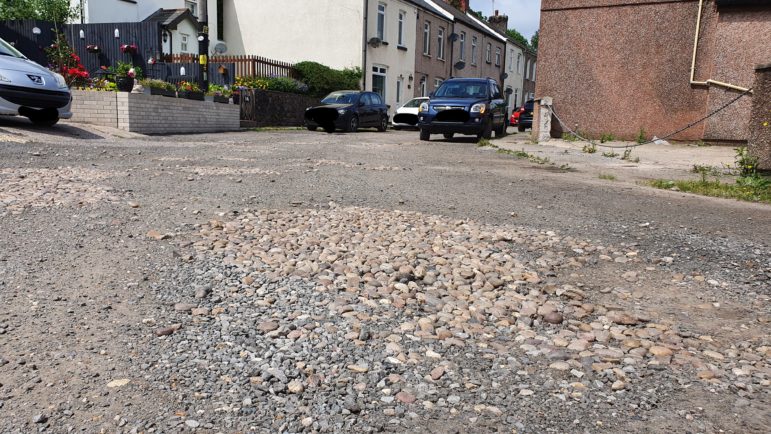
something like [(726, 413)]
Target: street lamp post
[(203, 58)]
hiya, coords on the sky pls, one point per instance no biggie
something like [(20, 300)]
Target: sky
[(524, 15)]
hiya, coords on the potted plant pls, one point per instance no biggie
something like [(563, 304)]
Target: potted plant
[(190, 91), (219, 94), (95, 49), (129, 48), (160, 87), (125, 74)]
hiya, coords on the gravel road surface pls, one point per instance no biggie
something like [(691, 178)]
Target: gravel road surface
[(297, 282)]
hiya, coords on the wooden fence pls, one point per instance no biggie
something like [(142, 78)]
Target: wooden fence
[(146, 36), (20, 35), (245, 66)]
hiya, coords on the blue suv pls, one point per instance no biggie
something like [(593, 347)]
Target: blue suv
[(470, 106)]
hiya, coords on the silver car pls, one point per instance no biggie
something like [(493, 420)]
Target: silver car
[(30, 90)]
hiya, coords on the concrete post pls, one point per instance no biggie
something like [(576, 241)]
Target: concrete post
[(542, 119), (759, 143)]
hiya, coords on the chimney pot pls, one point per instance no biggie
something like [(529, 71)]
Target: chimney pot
[(496, 12)]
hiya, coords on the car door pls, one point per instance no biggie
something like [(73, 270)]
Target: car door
[(364, 107), (497, 105), (378, 109)]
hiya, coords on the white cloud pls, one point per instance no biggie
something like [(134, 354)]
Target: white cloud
[(524, 15)]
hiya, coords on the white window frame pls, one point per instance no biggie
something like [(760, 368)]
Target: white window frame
[(399, 88), (489, 53), (427, 38), (402, 22), (497, 56), (533, 75), (183, 42), (440, 43), (438, 82), (519, 63), (511, 60), (380, 71), (193, 6), (423, 87), (473, 50), (462, 45), (527, 68), (516, 98), (381, 21)]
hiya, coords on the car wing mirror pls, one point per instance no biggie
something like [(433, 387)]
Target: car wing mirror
[(432, 94)]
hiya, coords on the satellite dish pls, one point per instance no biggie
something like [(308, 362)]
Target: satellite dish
[(504, 76), (220, 48), (453, 37), (460, 65), (375, 42)]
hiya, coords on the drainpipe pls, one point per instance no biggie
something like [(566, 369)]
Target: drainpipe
[(364, 44), (452, 53), (709, 82)]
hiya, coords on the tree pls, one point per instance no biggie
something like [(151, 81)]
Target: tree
[(515, 35), (478, 14), (534, 40), (58, 11)]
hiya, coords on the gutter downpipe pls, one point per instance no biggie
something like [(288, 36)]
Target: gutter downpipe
[(364, 44), (709, 82)]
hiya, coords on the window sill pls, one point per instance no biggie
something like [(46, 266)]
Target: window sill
[(440, 58), (384, 43), (426, 55), (401, 47)]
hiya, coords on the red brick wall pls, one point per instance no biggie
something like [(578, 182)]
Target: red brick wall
[(615, 66)]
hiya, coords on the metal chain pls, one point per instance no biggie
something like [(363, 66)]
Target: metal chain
[(696, 122)]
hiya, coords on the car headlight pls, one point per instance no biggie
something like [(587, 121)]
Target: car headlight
[(60, 80), (423, 107), (479, 108), (342, 111), (4, 79)]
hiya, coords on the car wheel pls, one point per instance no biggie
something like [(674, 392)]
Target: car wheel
[(44, 120), (449, 136), (312, 128), (500, 131), (425, 135), (353, 124), (521, 128), (383, 124), (487, 131), (395, 127)]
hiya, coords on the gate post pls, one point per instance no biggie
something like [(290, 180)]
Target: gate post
[(542, 121)]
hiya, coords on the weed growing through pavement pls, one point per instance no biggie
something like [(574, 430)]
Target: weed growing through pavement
[(610, 154), (641, 136), (607, 137), (589, 148), (608, 176), (628, 156), (483, 142)]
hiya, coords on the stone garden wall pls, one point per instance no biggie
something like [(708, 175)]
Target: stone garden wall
[(759, 143)]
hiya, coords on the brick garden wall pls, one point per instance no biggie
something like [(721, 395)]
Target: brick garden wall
[(150, 114)]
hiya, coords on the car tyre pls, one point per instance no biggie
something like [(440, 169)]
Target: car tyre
[(383, 124), (521, 128), (425, 134), (449, 136), (500, 131), (44, 120), (487, 131), (353, 124)]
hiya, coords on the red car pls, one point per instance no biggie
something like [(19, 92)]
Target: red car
[(514, 121)]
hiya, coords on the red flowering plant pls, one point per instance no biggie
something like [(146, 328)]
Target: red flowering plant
[(129, 48), (62, 59)]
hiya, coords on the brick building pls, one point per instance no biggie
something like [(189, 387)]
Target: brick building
[(618, 66)]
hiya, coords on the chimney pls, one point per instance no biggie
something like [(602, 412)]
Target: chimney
[(460, 4), (499, 23)]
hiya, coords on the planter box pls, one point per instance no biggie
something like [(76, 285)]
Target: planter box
[(163, 92), (221, 99), (197, 96), (125, 84)]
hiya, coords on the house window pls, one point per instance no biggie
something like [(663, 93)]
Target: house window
[(379, 81), (516, 98), (533, 75), (519, 62), (462, 45), (221, 20), (183, 42), (437, 82), (497, 56), (193, 6), (427, 38), (381, 13), (527, 68), (423, 89), (402, 18), (473, 50), (440, 44), (399, 85), (489, 53), (511, 60)]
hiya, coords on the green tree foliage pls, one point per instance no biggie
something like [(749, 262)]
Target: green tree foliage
[(322, 80), (534, 40), (515, 35), (478, 14), (45, 10)]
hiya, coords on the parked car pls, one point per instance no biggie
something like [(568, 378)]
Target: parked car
[(30, 90), (406, 116), (470, 106), (348, 110), (526, 118), (514, 121)]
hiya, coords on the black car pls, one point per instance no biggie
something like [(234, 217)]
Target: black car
[(526, 118), (471, 106), (348, 110)]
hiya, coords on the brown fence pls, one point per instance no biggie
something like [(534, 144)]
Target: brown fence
[(245, 66)]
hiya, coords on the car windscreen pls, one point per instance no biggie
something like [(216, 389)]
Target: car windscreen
[(413, 103), (7, 49), (529, 105), (462, 89), (340, 98)]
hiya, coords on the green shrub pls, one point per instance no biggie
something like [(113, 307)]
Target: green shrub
[(607, 138), (278, 84), (322, 80)]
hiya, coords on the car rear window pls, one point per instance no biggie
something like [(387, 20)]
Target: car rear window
[(529, 105)]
